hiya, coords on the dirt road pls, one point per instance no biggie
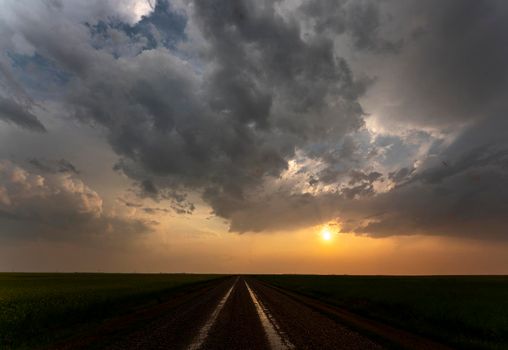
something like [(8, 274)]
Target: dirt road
[(243, 313)]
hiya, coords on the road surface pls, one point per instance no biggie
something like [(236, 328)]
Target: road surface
[(243, 313)]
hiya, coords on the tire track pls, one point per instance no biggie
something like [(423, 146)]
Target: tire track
[(276, 338), (203, 332)]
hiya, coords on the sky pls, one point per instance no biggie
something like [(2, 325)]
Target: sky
[(289, 136)]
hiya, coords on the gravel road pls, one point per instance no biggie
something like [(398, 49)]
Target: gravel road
[(236, 313)]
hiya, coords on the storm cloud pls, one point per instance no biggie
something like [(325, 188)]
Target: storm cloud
[(265, 110)]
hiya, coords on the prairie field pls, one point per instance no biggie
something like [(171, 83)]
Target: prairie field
[(468, 312), (37, 308)]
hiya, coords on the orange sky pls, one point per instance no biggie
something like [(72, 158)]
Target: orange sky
[(304, 251)]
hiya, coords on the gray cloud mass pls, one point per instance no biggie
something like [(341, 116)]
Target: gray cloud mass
[(257, 107)]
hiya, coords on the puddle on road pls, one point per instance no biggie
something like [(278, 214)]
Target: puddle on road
[(272, 329), (203, 333)]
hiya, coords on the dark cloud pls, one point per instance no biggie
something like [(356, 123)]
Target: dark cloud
[(227, 130), (48, 166), (149, 188), (361, 20), (357, 176), (151, 210), (41, 166), (401, 174), (12, 112), (457, 200), (65, 166), (129, 204), (177, 204)]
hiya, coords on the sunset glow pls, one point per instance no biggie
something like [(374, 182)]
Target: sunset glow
[(272, 136)]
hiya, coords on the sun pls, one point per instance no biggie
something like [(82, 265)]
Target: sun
[(326, 234)]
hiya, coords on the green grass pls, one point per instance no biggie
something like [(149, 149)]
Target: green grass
[(466, 312), (37, 308)]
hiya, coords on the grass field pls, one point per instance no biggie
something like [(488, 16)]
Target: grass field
[(465, 312), (37, 308)]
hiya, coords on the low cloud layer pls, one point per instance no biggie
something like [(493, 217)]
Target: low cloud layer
[(388, 118), (55, 206)]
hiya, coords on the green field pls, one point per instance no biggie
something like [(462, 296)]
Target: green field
[(37, 308), (465, 312)]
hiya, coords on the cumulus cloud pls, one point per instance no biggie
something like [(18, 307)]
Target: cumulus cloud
[(222, 130), (259, 107), (461, 196), (129, 11), (57, 205)]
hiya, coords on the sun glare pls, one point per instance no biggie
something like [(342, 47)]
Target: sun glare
[(326, 234)]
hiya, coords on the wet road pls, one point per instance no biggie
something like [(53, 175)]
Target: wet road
[(234, 313)]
